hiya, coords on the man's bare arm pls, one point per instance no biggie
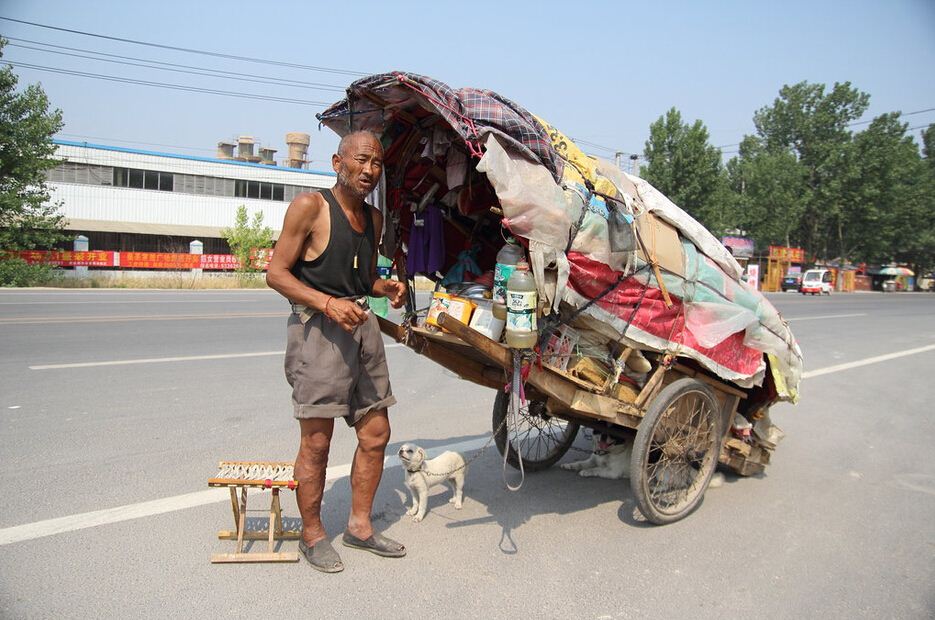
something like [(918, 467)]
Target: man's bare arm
[(300, 218), (296, 227)]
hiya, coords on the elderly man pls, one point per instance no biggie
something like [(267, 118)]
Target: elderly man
[(325, 261)]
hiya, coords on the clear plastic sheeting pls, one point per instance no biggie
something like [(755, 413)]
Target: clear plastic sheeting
[(711, 323), (538, 209), (534, 206), (717, 319)]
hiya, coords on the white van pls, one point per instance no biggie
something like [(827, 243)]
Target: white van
[(816, 282)]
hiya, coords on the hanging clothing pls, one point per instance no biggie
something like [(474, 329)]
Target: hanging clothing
[(426, 242)]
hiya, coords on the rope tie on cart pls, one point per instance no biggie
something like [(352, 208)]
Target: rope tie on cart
[(517, 399)]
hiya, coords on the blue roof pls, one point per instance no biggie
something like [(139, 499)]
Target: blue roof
[(213, 160)]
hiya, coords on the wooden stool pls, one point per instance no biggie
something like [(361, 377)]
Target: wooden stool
[(258, 474)]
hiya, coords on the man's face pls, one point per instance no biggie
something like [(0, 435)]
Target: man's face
[(359, 167)]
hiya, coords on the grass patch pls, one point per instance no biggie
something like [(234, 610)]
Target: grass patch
[(187, 281)]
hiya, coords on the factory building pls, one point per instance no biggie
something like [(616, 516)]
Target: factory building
[(125, 199)]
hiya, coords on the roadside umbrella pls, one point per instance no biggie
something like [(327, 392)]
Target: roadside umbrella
[(896, 271)]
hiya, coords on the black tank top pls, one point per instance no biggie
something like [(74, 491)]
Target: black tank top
[(333, 272)]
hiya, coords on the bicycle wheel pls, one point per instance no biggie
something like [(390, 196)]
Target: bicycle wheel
[(676, 451), (540, 438)]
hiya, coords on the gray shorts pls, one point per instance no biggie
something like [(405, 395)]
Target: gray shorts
[(333, 373)]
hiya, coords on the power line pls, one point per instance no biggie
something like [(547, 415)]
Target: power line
[(209, 72), (734, 151), (900, 113), (173, 146), (181, 87), (600, 147), (593, 145), (149, 66), (190, 50), (723, 146)]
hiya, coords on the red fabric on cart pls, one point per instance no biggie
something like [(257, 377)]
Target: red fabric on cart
[(590, 278)]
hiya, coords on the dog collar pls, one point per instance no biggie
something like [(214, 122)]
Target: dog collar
[(412, 471)]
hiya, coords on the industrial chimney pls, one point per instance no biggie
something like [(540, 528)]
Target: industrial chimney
[(226, 150), (245, 148), (298, 149), (266, 156)]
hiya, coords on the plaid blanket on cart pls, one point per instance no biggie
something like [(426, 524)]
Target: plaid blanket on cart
[(471, 112)]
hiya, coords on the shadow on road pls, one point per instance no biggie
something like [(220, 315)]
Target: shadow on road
[(550, 492)]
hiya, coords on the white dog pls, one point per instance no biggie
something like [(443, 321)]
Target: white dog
[(610, 459), (421, 475)]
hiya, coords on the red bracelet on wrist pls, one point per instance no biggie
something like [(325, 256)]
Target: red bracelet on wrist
[(330, 297)]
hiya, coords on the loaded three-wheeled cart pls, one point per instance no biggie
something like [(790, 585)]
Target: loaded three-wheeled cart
[(645, 332), (680, 420)]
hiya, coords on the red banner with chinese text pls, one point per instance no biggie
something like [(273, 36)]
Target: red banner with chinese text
[(219, 262), (66, 258), (141, 260), (159, 260), (781, 252)]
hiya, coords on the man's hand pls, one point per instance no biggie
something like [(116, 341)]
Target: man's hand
[(394, 290), (345, 313)]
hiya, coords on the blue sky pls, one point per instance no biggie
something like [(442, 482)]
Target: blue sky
[(600, 71)]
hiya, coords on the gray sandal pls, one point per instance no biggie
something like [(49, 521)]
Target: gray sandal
[(377, 543), (322, 556)]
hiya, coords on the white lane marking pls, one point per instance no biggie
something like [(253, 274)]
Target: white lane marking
[(827, 370), (160, 360), (22, 320), (826, 316), (61, 525), (156, 360), (50, 527), (129, 301)]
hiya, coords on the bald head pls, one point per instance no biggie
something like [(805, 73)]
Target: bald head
[(351, 139), (358, 163)]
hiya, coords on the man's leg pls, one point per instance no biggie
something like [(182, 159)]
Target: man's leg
[(310, 465), (373, 433)]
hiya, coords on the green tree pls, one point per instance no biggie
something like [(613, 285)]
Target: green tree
[(886, 210), (813, 125), (771, 193), (917, 246), (682, 165), (27, 219), (247, 236)]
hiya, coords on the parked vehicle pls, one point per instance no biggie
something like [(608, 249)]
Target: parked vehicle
[(816, 282), (791, 282)]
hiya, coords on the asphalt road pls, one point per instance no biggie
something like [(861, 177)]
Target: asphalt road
[(116, 405)]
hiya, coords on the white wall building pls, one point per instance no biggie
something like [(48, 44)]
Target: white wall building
[(134, 200)]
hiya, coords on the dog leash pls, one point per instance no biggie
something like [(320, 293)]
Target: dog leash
[(516, 395), (480, 453)]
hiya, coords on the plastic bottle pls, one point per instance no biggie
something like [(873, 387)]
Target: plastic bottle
[(507, 258), (381, 305), (521, 329)]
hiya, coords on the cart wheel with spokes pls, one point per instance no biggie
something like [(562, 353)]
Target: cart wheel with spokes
[(676, 450), (540, 438)]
